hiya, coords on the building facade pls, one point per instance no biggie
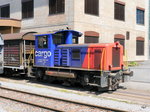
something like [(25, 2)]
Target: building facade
[(100, 21)]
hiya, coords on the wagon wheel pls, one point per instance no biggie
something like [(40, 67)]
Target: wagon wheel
[(8, 72)]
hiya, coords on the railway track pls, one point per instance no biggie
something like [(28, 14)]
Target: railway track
[(133, 96), (51, 103)]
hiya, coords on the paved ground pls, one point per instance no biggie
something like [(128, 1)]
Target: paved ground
[(141, 72), (141, 77), (1, 109), (145, 64)]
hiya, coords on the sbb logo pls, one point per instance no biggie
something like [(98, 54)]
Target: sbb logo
[(44, 54)]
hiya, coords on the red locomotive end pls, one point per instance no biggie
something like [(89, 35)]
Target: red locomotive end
[(106, 57)]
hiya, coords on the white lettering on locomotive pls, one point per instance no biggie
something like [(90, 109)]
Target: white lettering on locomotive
[(44, 54)]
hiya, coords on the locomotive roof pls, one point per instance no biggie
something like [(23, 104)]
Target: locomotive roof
[(19, 36), (76, 33)]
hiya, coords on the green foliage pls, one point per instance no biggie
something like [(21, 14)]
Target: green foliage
[(133, 63)]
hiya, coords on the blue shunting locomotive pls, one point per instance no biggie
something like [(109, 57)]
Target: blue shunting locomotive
[(99, 65)]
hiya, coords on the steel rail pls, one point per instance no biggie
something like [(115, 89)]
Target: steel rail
[(59, 99), (28, 103)]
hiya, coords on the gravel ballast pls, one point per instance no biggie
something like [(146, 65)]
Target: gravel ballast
[(1, 109), (12, 106)]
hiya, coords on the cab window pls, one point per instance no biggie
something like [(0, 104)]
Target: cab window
[(43, 41), (59, 38)]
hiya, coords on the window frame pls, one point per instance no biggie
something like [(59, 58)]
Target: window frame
[(119, 15), (91, 38), (56, 8), (140, 16), (121, 39), (26, 14), (93, 10), (4, 6), (122, 42), (140, 47), (89, 35)]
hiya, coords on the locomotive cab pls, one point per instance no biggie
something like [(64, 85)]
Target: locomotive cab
[(45, 45)]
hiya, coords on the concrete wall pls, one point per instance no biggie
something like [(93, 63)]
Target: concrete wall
[(75, 18)]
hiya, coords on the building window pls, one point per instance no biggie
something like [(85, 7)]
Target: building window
[(140, 46), (91, 37), (119, 11), (92, 7), (76, 54), (121, 39), (27, 9), (56, 6), (140, 16), (5, 11)]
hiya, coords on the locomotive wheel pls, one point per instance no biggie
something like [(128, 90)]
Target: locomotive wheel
[(39, 75)]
